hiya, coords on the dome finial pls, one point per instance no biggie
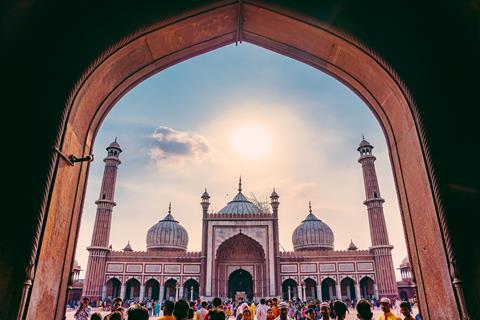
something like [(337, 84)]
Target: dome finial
[(115, 138), (240, 184), (310, 206), (169, 207)]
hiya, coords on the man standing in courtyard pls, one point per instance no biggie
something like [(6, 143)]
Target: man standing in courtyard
[(261, 312), (386, 305), (283, 310), (325, 311), (406, 310)]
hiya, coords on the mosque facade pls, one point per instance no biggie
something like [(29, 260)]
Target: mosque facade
[(240, 253)]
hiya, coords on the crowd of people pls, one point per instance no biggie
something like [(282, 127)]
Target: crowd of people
[(271, 309)]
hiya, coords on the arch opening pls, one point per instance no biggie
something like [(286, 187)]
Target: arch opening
[(368, 77), (152, 290), (310, 289), (132, 290), (240, 283), (171, 290), (191, 290), (247, 257), (113, 288), (289, 289), (329, 290)]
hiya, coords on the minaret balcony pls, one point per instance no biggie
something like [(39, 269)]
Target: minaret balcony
[(104, 203), (374, 202)]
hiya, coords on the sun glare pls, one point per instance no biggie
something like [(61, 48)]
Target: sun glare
[(252, 141)]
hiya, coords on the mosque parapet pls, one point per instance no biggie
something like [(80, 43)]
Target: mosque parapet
[(230, 216), (322, 253), (163, 253)]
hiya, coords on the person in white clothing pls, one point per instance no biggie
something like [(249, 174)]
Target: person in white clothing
[(262, 308), (283, 307)]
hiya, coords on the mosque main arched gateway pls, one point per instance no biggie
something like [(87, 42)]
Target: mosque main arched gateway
[(240, 268), (188, 34)]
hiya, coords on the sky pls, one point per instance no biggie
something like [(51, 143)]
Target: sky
[(241, 111)]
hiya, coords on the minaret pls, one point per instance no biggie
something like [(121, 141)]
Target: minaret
[(381, 248), (205, 204), (276, 242), (99, 247)]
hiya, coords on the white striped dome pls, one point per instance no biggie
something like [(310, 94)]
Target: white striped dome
[(312, 234), (167, 234), (240, 204)]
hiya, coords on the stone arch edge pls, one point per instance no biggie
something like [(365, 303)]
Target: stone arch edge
[(60, 141)]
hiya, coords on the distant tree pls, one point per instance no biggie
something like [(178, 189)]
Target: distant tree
[(262, 203)]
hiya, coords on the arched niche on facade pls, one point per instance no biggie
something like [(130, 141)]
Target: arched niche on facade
[(367, 287), (329, 289), (170, 289), (310, 289), (191, 289), (289, 289), (240, 248), (171, 41), (132, 289), (152, 289), (347, 287), (113, 288)]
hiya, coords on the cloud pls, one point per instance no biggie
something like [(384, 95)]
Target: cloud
[(171, 146)]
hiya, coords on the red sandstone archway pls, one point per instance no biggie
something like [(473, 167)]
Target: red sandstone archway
[(152, 290), (310, 289), (191, 290), (289, 289), (170, 291), (113, 287), (182, 37), (240, 252), (347, 286), (367, 288), (329, 289), (132, 290)]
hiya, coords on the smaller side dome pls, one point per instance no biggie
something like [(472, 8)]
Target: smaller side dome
[(312, 234), (352, 246), (128, 247), (405, 262), (167, 234)]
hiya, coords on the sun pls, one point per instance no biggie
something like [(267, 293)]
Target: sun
[(252, 141)]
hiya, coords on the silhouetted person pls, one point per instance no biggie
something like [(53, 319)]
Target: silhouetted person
[(364, 310), (116, 315), (181, 310), (137, 312), (340, 310), (168, 307), (217, 314), (96, 316)]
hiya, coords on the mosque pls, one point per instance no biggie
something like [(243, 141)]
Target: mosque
[(240, 254)]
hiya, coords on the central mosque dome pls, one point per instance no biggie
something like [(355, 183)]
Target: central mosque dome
[(312, 234), (240, 204), (167, 234)]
